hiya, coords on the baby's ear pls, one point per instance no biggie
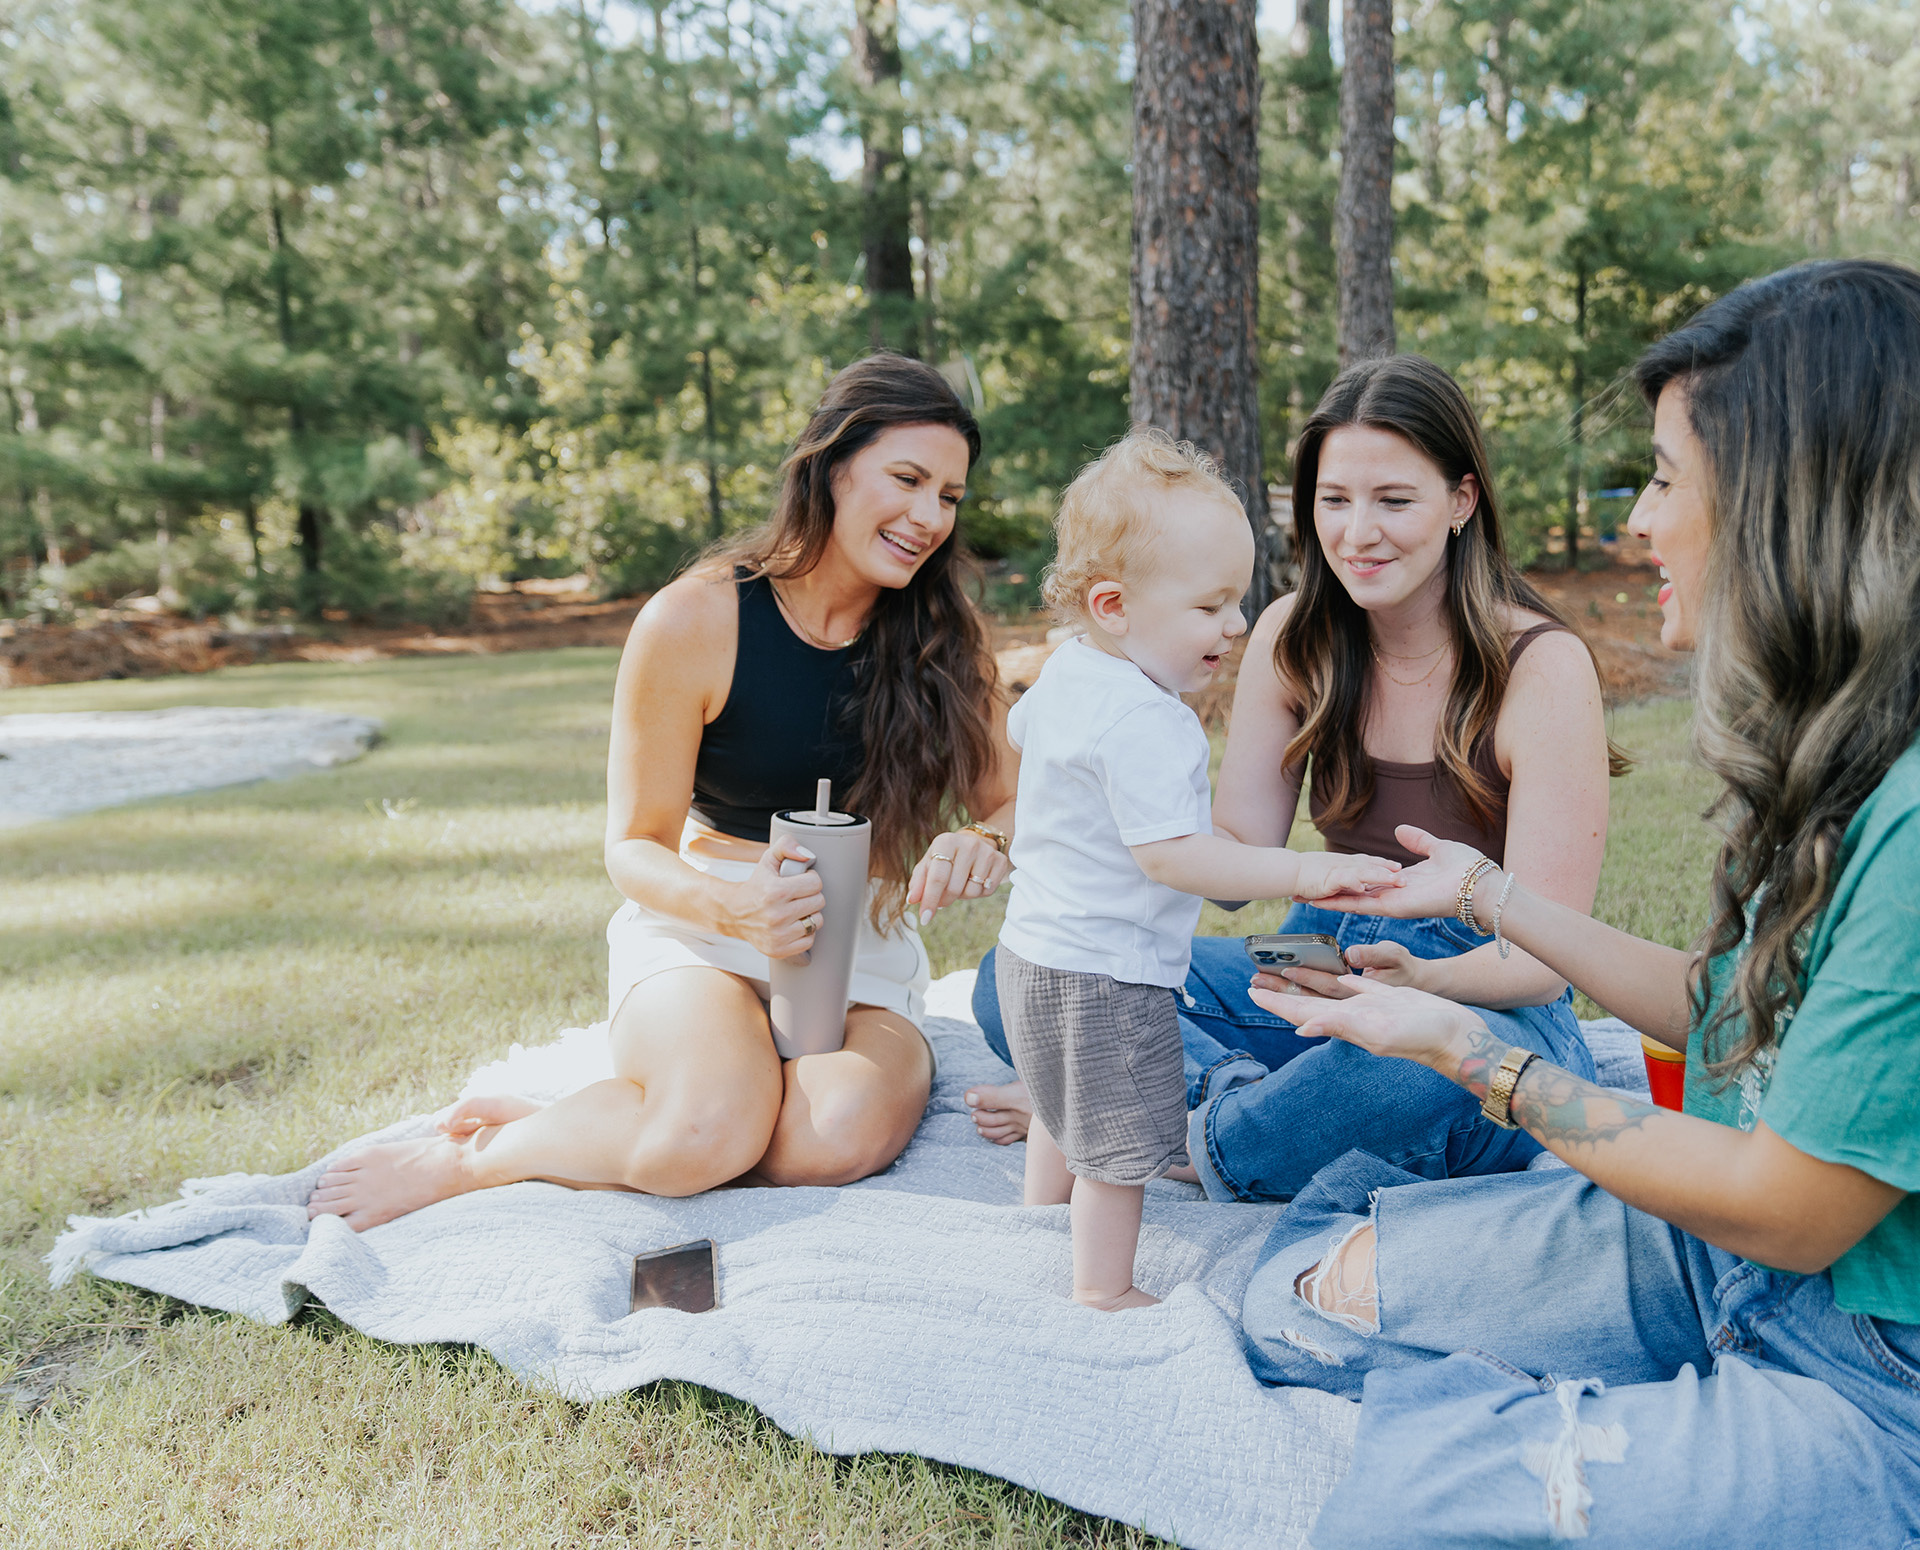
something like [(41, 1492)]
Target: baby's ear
[(1107, 606)]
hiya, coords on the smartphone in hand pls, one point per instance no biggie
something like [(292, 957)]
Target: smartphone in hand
[(1297, 950)]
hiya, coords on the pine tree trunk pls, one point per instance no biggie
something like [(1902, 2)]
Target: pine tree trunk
[(1577, 422), (1363, 218), (1309, 72), (886, 220), (1196, 235), (166, 591)]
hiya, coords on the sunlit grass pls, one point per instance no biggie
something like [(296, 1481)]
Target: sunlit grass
[(240, 980)]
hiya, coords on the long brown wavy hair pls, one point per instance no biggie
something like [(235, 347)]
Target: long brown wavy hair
[(1325, 646), (1804, 390), (923, 665)]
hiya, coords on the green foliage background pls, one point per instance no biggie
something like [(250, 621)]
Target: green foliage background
[(357, 304)]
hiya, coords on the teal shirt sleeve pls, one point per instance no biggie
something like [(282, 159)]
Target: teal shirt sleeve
[(1846, 1085)]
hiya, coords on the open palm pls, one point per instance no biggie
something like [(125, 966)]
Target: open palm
[(1427, 891)]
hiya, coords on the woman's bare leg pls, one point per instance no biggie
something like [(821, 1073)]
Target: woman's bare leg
[(850, 1113), (695, 1103)]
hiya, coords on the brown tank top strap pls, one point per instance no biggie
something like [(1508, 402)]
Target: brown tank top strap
[(1411, 793), (1528, 636)]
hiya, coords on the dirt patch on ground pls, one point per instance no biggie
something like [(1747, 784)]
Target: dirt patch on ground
[(1612, 606), (536, 616)]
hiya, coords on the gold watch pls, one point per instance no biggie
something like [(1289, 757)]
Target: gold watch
[(992, 836), (1498, 1103)]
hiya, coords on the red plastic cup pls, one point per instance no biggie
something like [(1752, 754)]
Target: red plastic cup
[(1666, 1073)]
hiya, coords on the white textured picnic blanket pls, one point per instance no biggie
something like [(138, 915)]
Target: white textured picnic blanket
[(923, 1311)]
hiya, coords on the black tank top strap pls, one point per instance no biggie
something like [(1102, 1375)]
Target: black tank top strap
[(792, 718)]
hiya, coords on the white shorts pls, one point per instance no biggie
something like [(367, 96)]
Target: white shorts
[(890, 971)]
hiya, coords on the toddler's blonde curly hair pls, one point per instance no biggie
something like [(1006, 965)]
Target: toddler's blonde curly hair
[(1105, 524)]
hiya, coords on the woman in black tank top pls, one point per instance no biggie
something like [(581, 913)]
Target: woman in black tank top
[(1414, 674), (836, 642)]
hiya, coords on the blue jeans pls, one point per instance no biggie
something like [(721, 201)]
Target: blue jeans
[(1549, 1361), (1270, 1108)]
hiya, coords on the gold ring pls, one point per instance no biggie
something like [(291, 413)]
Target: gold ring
[(810, 924), (938, 857)]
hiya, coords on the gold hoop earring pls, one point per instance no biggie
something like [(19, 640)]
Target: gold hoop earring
[(1459, 526)]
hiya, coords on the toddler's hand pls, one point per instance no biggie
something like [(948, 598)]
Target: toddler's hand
[(1324, 875)]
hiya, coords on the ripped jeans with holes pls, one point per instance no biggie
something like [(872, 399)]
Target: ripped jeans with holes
[(1538, 1361)]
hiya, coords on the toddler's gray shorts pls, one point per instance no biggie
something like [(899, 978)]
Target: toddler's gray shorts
[(1101, 1060)]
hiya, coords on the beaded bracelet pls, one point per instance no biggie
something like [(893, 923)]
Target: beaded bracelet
[(1463, 906)]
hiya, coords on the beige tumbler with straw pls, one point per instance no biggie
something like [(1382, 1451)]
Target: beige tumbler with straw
[(809, 1007)]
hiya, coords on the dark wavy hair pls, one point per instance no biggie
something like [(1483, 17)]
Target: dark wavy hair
[(1325, 646), (1804, 390), (923, 664)]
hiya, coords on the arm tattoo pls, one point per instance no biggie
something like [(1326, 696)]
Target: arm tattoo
[(1555, 1105), (1484, 1054)]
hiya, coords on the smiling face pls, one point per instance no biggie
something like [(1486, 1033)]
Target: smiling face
[(1177, 613), (1671, 515), (1383, 513), (895, 502)]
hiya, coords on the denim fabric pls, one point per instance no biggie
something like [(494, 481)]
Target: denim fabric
[(1551, 1363), (1270, 1108), (1224, 1035)]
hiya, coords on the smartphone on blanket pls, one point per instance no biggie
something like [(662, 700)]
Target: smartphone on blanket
[(684, 1277), (1297, 950)]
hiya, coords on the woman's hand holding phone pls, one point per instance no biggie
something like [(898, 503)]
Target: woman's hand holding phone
[(1388, 963)]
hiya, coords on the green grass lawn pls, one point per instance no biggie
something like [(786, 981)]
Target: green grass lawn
[(240, 980)]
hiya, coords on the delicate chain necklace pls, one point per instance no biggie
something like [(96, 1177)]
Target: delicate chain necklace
[(1398, 658), (794, 619), (1380, 662)]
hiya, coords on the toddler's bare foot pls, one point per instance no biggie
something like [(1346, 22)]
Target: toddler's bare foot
[(471, 1114), (1001, 1114), (1132, 1297), (383, 1182)]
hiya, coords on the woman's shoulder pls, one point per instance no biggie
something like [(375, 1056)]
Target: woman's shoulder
[(1551, 652), (1275, 614), (691, 613)]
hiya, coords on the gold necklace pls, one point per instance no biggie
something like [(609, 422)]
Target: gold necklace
[(1406, 683), (1398, 658), (799, 624)]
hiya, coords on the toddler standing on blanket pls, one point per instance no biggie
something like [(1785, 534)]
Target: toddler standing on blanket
[(1115, 844)]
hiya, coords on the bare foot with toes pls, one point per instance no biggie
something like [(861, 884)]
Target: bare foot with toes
[(383, 1182), (1001, 1114)]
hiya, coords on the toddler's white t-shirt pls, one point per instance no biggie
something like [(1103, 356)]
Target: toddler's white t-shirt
[(1108, 759)]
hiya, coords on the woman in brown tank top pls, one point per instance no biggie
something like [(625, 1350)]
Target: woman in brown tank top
[(1414, 677)]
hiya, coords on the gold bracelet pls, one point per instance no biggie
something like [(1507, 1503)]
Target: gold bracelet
[(1498, 1103), (1463, 906), (992, 836)]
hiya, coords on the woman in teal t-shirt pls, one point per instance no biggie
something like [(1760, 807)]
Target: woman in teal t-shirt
[(1707, 1329)]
